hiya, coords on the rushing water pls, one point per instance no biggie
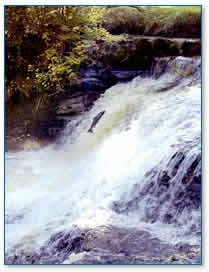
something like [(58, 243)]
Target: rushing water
[(111, 177)]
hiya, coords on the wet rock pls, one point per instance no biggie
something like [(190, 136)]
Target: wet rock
[(159, 67), (61, 245), (144, 46), (189, 174), (101, 73), (190, 49), (147, 188), (105, 245), (12, 219), (194, 188), (168, 218), (98, 256), (164, 48), (92, 83), (112, 245), (22, 258), (171, 190), (194, 193), (176, 160), (73, 105), (126, 241), (164, 179), (137, 52), (125, 75), (49, 128)]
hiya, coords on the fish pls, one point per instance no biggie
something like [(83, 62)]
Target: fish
[(95, 121)]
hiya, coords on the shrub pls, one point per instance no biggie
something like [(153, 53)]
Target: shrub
[(127, 19)]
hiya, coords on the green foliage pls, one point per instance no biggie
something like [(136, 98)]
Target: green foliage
[(170, 21), (47, 43), (124, 20)]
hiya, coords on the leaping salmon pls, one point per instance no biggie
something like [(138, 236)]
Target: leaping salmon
[(96, 120)]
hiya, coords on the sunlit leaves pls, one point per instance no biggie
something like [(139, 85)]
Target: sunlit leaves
[(57, 27)]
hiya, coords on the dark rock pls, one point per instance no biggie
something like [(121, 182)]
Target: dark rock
[(73, 104), (92, 83), (174, 49), (190, 49), (164, 179), (144, 47), (133, 55), (159, 67), (168, 218), (147, 188), (194, 193), (164, 48), (60, 246), (169, 188), (188, 177), (125, 75), (106, 245), (101, 73), (182, 247), (177, 159), (112, 245), (108, 77), (50, 127), (195, 188)]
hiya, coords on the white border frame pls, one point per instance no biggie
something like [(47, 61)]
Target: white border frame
[(205, 136)]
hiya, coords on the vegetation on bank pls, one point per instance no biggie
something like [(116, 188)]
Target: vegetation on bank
[(169, 21), (45, 45)]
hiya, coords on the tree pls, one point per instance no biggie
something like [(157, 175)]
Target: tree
[(45, 45)]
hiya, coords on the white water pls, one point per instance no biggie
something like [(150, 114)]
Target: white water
[(75, 183)]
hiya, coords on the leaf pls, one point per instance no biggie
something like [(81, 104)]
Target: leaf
[(65, 28), (64, 37), (50, 52), (76, 28)]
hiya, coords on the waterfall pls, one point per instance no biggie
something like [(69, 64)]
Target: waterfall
[(140, 168)]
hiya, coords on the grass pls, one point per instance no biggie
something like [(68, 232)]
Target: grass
[(173, 21), (121, 19), (170, 21)]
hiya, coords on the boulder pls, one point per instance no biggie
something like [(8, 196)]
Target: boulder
[(92, 83), (164, 47), (125, 75), (190, 48)]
